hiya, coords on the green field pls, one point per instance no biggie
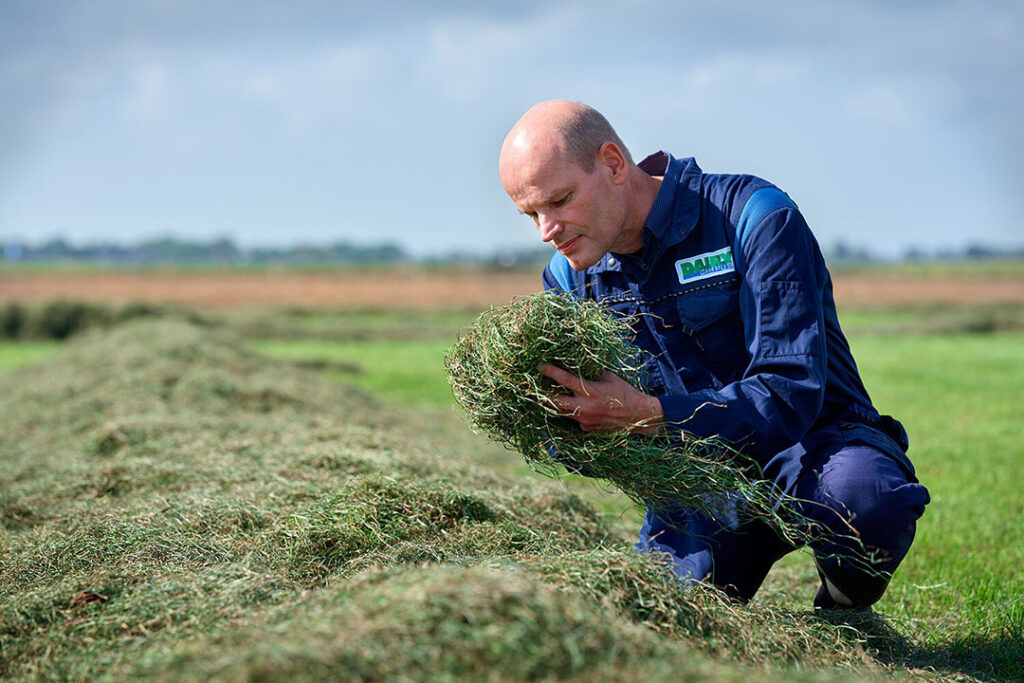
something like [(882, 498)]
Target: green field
[(16, 354), (408, 372), (178, 503)]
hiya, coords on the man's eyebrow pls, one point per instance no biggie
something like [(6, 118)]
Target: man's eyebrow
[(557, 194)]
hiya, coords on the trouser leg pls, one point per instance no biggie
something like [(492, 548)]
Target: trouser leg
[(734, 556), (870, 506), (861, 495)]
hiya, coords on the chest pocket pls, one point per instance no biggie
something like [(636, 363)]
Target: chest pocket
[(712, 311)]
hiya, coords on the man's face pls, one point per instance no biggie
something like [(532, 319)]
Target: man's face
[(582, 214)]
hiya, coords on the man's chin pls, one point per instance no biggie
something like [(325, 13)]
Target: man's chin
[(577, 264), (581, 261)]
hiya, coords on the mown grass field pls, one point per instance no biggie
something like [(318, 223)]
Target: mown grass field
[(290, 494), (961, 397)]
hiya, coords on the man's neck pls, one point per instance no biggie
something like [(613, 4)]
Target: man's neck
[(642, 193)]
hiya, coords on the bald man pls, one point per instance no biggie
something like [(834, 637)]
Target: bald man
[(730, 296)]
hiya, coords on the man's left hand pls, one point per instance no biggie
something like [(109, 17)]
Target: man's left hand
[(608, 404)]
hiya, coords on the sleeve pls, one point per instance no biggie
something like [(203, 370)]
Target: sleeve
[(780, 394), (548, 279), (558, 274)]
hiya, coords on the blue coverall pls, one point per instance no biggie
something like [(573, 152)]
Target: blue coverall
[(734, 304)]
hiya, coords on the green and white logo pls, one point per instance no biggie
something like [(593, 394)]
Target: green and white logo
[(705, 265)]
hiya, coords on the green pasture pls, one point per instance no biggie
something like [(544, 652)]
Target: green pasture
[(962, 400), (16, 354), (206, 489), (407, 372), (982, 269)]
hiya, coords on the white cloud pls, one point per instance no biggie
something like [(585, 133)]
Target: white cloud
[(298, 76), (882, 103), (148, 90), (264, 84), (743, 71), (351, 61), (470, 56)]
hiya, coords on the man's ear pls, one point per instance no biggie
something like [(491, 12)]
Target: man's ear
[(610, 157)]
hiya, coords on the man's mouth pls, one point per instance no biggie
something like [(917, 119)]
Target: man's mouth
[(566, 247)]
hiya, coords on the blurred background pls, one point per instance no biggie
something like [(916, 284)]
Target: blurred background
[(139, 130)]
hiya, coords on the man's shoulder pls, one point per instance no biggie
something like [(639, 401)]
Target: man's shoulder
[(743, 201), (731, 191)]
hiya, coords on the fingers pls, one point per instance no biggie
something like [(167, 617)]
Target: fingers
[(564, 377), (608, 403), (566, 405), (579, 409)]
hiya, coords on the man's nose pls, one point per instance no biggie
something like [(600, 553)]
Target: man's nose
[(549, 227)]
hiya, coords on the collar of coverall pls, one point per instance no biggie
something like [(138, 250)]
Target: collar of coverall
[(676, 209)]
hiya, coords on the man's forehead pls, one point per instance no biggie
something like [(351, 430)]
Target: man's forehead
[(537, 162), (534, 168), (537, 181), (539, 170)]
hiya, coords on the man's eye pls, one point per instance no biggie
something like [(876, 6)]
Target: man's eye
[(560, 202)]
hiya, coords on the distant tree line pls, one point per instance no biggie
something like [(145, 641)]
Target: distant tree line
[(842, 253), (971, 251), (221, 252), (224, 252)]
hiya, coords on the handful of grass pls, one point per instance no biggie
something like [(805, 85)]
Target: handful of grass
[(493, 372)]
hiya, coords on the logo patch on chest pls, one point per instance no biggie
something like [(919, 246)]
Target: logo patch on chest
[(704, 266)]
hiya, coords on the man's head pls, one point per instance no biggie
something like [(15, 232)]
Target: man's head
[(565, 167)]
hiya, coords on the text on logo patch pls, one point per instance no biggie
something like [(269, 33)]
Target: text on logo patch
[(705, 265)]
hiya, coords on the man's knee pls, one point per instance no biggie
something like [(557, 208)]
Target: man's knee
[(873, 502), (874, 507)]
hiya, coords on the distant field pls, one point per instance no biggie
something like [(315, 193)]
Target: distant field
[(417, 288), (393, 288)]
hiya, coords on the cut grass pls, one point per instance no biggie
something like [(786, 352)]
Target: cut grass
[(177, 507), (493, 370), (192, 458)]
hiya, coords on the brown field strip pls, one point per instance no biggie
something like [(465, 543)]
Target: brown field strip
[(412, 288)]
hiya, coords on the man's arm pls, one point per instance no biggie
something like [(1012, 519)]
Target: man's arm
[(782, 389)]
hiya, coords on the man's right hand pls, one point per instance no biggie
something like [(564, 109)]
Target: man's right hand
[(608, 404)]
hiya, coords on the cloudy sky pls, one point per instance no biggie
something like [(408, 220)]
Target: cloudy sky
[(891, 123)]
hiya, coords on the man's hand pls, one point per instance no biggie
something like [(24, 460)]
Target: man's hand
[(608, 404)]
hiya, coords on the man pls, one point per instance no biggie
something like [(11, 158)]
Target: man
[(731, 297)]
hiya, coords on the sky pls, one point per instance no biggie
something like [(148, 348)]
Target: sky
[(891, 123)]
